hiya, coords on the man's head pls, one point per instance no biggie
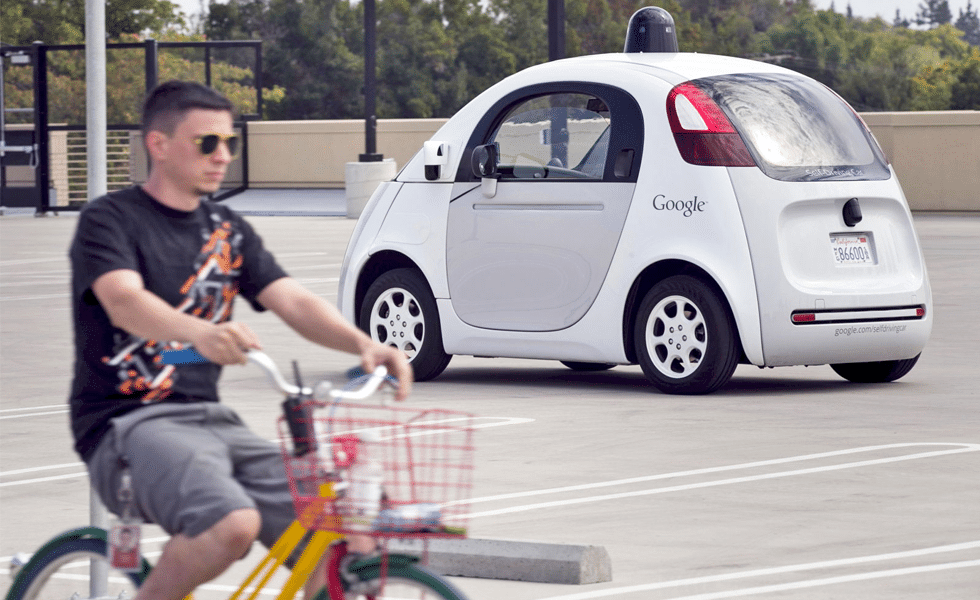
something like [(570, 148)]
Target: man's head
[(189, 135), (167, 104)]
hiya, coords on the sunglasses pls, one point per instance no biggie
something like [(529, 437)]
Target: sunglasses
[(208, 143)]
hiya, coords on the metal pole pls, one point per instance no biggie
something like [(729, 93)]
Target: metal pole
[(42, 173), (258, 80), (95, 133), (370, 90), (150, 76), (150, 63), (3, 129), (207, 66), (556, 29)]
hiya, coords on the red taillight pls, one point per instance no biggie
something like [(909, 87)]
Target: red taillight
[(920, 311), (703, 133), (804, 317)]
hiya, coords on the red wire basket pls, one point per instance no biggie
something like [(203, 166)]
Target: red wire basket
[(423, 458)]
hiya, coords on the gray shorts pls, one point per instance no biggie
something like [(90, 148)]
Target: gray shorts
[(191, 465)]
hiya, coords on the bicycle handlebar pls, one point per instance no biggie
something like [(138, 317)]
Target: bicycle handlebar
[(262, 360)]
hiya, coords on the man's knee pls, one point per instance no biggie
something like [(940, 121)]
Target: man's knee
[(238, 530)]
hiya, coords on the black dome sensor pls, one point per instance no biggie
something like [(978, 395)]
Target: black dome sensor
[(651, 29)]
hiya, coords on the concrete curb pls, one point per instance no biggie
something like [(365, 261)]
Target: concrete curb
[(537, 562)]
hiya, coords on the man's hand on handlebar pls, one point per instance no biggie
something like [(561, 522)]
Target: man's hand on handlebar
[(227, 343), (396, 362)]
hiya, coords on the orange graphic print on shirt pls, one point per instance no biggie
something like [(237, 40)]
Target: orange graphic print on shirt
[(208, 294)]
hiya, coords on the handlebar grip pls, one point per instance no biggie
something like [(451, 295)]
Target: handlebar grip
[(186, 356)]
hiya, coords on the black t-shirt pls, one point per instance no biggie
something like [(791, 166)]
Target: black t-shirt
[(195, 261)]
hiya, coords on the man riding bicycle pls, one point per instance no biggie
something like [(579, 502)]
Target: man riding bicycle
[(155, 267)]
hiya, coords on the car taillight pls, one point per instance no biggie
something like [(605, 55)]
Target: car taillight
[(703, 133)]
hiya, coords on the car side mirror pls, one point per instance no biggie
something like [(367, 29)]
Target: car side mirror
[(436, 156), (484, 165), (484, 161)]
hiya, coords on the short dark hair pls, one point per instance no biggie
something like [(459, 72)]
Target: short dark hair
[(166, 104)]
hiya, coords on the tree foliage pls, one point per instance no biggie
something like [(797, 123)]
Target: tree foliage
[(969, 23), (63, 21), (436, 55)]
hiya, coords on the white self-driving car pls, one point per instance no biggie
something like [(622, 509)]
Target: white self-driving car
[(685, 212)]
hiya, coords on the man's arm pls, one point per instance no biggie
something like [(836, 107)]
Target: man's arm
[(319, 321), (138, 311)]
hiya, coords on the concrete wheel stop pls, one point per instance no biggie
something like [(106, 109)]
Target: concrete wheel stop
[(537, 562)]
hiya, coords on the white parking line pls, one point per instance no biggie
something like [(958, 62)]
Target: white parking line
[(49, 406), (31, 261), (40, 297), (35, 414), (958, 448), (43, 479), (45, 468), (844, 562)]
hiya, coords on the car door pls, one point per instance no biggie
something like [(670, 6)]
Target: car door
[(531, 254)]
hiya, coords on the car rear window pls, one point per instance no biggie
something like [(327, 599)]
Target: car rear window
[(797, 129)]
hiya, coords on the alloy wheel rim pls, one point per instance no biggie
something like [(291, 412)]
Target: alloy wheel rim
[(676, 337), (397, 321)]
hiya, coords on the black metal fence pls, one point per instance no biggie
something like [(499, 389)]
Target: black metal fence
[(38, 145)]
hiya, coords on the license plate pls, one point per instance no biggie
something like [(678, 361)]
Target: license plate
[(852, 249)]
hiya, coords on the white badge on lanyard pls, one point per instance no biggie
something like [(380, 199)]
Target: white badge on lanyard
[(124, 536)]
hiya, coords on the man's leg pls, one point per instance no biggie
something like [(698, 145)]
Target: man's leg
[(189, 562)]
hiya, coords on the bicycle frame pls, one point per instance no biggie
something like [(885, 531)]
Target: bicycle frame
[(304, 567)]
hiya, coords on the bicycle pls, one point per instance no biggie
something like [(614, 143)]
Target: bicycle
[(332, 462)]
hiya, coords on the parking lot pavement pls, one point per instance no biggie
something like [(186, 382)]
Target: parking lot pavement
[(788, 483)]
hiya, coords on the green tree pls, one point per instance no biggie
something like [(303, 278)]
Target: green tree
[(435, 55), (965, 92), (306, 55), (483, 56), (934, 13), (525, 27), (416, 79), (63, 21), (15, 25), (969, 23), (901, 21)]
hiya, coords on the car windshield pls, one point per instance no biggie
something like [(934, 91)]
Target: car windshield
[(797, 129)]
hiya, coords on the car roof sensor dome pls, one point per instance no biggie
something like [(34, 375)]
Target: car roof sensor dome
[(651, 29)]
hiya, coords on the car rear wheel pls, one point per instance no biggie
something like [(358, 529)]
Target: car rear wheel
[(876, 372), (587, 366), (685, 337), (400, 311)]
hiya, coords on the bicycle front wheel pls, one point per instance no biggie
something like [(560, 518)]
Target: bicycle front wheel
[(60, 571), (397, 580)]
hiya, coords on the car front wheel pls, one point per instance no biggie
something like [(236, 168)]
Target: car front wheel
[(876, 372), (685, 337), (400, 311)]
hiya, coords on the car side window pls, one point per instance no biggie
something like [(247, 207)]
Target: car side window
[(554, 136)]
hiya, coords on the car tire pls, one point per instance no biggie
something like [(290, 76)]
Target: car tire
[(587, 367), (685, 337), (876, 372), (399, 310)]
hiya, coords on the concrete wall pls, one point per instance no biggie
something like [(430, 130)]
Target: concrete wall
[(936, 154)]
